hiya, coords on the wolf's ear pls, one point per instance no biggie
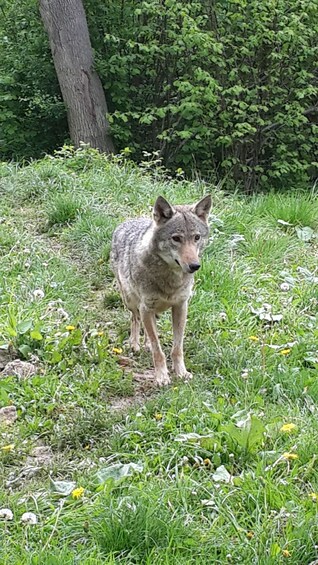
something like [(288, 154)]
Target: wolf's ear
[(202, 208), (162, 211)]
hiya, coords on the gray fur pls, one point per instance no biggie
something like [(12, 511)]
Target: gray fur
[(152, 260)]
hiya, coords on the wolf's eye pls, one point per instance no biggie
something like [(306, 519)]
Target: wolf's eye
[(197, 237), (176, 238)]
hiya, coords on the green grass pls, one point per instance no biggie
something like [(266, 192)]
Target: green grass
[(297, 209), (62, 209), (60, 308)]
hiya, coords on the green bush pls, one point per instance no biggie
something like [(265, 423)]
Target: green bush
[(227, 88)]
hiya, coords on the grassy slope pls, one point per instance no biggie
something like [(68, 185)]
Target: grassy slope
[(57, 217)]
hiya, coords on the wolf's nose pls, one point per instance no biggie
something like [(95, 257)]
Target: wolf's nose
[(194, 267)]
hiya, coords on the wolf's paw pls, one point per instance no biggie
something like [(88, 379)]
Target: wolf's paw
[(135, 347), (181, 372), (162, 377), (184, 375), (147, 346)]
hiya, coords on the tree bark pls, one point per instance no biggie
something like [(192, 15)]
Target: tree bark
[(81, 88)]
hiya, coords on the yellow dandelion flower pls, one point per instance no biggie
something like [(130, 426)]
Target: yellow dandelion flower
[(100, 333), (286, 553), (175, 388), (7, 448), (250, 535), (288, 428), (207, 462), (117, 350), (158, 416), (70, 328), (290, 456), (253, 338), (314, 496), (78, 492), (284, 351)]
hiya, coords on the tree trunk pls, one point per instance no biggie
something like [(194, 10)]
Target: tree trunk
[(82, 91)]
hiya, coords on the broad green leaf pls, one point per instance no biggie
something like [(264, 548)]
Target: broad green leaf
[(75, 337), (56, 357), (305, 234), (117, 472), (25, 350), (35, 334), (24, 326), (275, 549), (221, 475), (311, 360), (256, 431), (63, 488), (248, 432)]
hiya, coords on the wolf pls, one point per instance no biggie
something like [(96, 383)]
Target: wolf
[(154, 261)]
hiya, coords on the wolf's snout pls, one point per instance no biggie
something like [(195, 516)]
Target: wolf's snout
[(194, 267)]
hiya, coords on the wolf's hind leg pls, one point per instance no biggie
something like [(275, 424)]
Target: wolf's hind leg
[(147, 344), (135, 331)]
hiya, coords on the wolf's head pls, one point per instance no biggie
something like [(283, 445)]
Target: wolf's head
[(180, 232)]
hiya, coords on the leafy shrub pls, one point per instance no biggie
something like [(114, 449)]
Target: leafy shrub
[(225, 87)]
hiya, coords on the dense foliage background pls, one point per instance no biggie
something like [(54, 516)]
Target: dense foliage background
[(224, 87), (32, 114)]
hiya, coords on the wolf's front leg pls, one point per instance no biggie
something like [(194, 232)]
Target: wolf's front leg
[(179, 319), (148, 319)]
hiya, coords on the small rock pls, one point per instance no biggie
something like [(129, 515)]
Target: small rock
[(284, 286), (41, 455), (42, 452), (6, 514), (222, 316), (21, 369), (29, 518), (8, 415)]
